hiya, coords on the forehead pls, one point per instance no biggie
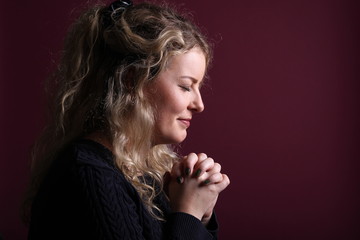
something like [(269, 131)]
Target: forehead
[(191, 63)]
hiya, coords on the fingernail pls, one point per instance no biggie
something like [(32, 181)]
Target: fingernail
[(179, 180), (206, 182), (197, 173), (187, 171)]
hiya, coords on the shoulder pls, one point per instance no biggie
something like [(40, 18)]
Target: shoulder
[(85, 152), (93, 167), (88, 166)]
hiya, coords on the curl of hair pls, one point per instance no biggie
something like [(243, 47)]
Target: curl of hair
[(108, 61)]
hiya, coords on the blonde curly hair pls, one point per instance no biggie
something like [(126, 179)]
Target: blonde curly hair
[(108, 60)]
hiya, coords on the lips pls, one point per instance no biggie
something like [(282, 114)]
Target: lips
[(185, 121)]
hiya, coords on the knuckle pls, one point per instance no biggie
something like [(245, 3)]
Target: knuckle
[(220, 178), (192, 156), (207, 163), (202, 156), (191, 159), (213, 179), (217, 166), (227, 180)]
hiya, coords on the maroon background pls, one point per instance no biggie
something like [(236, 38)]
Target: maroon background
[(282, 111)]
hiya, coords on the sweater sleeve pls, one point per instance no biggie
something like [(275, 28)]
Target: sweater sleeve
[(112, 208), (84, 196), (184, 226), (213, 226), (115, 212)]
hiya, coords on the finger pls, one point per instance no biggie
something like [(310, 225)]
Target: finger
[(202, 167), (215, 169), (223, 184), (202, 156), (176, 172), (211, 177), (214, 178), (189, 163)]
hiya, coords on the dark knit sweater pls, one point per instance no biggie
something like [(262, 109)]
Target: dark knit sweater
[(84, 196)]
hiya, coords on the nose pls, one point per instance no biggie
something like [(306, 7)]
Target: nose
[(197, 104)]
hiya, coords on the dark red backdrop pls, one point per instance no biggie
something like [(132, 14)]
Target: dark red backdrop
[(282, 111)]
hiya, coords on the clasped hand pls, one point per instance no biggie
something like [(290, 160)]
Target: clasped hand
[(194, 184)]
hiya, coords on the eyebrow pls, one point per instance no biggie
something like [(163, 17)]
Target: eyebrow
[(194, 80)]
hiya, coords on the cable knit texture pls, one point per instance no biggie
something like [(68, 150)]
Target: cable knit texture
[(84, 196)]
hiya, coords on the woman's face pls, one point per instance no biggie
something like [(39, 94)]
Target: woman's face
[(176, 96)]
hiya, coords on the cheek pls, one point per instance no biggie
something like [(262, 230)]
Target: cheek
[(165, 112), (173, 107), (170, 103)]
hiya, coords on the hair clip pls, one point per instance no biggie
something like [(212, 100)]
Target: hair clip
[(114, 11), (120, 5)]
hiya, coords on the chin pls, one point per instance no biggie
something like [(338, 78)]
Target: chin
[(171, 138), (180, 139), (176, 140)]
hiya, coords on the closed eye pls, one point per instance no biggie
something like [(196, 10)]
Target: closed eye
[(184, 88)]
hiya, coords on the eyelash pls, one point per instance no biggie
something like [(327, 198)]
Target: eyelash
[(185, 88)]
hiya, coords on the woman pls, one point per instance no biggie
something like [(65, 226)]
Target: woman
[(126, 90)]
